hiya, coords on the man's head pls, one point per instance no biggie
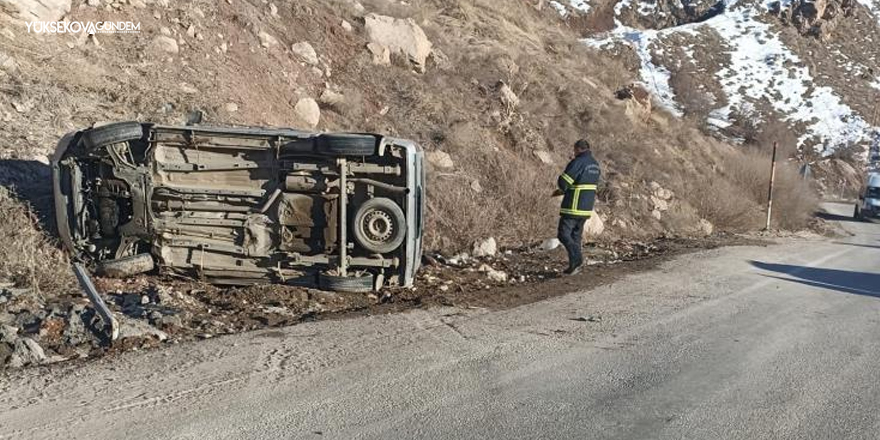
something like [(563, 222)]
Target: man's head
[(581, 146)]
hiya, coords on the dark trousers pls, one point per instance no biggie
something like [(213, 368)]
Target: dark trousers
[(570, 233)]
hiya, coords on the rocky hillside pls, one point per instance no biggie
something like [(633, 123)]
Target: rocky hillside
[(496, 95), (803, 72)]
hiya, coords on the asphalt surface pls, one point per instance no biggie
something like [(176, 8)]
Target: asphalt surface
[(777, 342)]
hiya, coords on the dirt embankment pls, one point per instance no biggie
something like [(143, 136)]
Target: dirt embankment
[(495, 94)]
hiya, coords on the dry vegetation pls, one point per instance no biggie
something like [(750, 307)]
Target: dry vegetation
[(27, 257)]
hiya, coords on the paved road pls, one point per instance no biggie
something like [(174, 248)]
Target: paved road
[(736, 343)]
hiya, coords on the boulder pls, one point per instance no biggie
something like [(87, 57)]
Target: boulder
[(485, 248), (402, 36), (440, 159), (549, 244), (305, 52), (164, 43), (595, 227), (230, 107), (307, 112), (36, 10)]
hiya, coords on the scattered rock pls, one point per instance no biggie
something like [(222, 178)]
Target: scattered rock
[(8, 64), (544, 156), (94, 3), (138, 329), (507, 96), (191, 31), (381, 54), (304, 51), (476, 186), (273, 10), (329, 98), (188, 89), (497, 276), (440, 159), (307, 112), (659, 204), (230, 107), (549, 244), (485, 248), (399, 36), (657, 215), (164, 43), (137, 4), (706, 227), (267, 40), (26, 351), (590, 318), (346, 26)]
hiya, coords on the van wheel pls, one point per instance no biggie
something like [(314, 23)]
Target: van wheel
[(355, 284), (113, 134), (344, 144), (126, 266), (379, 225)]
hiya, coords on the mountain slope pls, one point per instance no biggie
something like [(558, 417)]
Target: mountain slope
[(742, 66)]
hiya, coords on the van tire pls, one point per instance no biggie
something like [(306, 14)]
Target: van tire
[(388, 223), (126, 266), (345, 144), (113, 134), (361, 284)]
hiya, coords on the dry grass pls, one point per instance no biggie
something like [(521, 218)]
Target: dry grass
[(737, 196), (27, 257)]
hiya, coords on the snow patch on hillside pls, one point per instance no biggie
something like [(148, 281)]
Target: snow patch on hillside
[(579, 5), (762, 69), (874, 6)]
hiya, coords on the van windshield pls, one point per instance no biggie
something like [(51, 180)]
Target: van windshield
[(873, 192)]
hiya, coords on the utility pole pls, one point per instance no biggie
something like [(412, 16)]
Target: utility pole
[(770, 192)]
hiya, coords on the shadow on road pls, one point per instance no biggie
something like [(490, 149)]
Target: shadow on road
[(871, 246), (856, 283), (836, 217)]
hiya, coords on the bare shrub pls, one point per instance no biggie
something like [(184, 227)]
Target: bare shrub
[(747, 173), (27, 257), (722, 203)]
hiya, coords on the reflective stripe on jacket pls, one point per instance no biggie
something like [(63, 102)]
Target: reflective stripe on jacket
[(578, 185)]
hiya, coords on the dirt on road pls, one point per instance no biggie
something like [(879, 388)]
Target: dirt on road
[(158, 310)]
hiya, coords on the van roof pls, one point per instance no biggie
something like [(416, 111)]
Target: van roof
[(874, 180)]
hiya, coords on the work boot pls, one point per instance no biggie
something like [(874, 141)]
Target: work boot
[(574, 270)]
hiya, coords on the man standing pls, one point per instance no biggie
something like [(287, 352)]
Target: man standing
[(577, 186)]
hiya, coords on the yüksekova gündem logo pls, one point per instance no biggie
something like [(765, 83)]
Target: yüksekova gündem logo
[(89, 27)]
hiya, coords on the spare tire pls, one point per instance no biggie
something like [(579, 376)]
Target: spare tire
[(126, 266), (345, 144), (379, 225), (359, 284), (113, 134)]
